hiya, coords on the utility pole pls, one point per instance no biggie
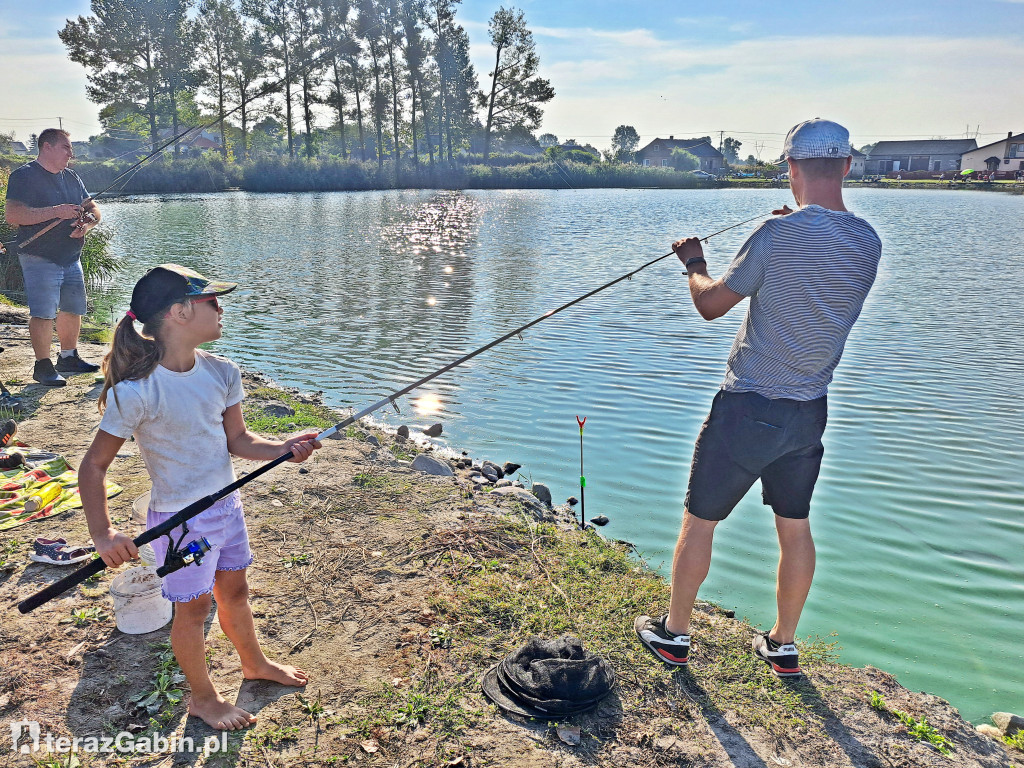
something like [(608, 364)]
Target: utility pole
[(721, 135), (60, 123)]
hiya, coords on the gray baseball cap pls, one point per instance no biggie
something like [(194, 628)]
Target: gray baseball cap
[(817, 138)]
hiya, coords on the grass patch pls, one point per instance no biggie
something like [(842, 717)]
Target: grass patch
[(429, 701), (306, 415), (7, 550), (917, 729), (384, 483), (1016, 741), (510, 578)]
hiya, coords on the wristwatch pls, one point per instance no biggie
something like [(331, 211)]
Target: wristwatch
[(693, 260)]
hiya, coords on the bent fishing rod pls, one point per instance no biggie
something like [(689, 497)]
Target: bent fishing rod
[(193, 509)]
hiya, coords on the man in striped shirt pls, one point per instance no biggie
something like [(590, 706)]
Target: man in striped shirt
[(807, 274)]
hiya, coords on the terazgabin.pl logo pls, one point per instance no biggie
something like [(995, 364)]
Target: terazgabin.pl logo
[(27, 737), (23, 731)]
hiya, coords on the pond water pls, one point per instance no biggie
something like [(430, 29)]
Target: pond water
[(918, 512)]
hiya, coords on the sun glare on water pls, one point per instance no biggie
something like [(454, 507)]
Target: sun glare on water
[(428, 404)]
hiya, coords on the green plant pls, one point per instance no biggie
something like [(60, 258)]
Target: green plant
[(1016, 741), (413, 711), (306, 415), (917, 729), (312, 709), (295, 560), (165, 693), (84, 616), (6, 551), (440, 637), (271, 736), (57, 761)]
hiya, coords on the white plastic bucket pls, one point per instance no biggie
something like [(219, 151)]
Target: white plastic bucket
[(138, 605), (139, 508)]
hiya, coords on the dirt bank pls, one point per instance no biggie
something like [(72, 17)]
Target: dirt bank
[(395, 591)]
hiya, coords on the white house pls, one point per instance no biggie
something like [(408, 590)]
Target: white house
[(1003, 156)]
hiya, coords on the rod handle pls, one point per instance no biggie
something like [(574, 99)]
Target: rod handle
[(59, 587)]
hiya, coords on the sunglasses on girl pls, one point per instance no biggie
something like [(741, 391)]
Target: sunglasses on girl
[(201, 300), (206, 297)]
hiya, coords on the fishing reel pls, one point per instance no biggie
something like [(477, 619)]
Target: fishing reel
[(179, 556)]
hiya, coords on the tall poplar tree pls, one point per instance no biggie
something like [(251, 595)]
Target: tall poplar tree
[(221, 31), (275, 17), (248, 64), (420, 86), (341, 49), (308, 50), (118, 46), (177, 44), (516, 90), (456, 75), (393, 29), (368, 29)]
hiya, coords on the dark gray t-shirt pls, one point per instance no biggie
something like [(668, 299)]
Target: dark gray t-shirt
[(34, 186), (807, 275)]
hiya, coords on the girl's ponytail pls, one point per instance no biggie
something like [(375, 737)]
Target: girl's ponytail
[(131, 356)]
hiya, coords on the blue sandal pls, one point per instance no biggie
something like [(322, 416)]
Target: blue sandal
[(57, 552)]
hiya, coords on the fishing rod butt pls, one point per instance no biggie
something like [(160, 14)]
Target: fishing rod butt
[(59, 587)]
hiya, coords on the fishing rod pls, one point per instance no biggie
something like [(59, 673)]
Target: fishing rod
[(193, 509)]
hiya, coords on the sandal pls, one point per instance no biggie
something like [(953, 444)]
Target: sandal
[(57, 552), (9, 401)]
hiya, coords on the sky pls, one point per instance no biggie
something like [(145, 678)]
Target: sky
[(748, 68)]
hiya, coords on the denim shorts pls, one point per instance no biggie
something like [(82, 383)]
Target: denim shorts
[(748, 436), (49, 287), (223, 525)]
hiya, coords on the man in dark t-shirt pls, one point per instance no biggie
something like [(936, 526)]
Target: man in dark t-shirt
[(38, 194)]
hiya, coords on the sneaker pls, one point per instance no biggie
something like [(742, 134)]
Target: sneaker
[(783, 659), (74, 364), (8, 429), (669, 648), (47, 375)]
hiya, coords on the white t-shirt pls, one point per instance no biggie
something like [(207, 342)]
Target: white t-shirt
[(178, 422)]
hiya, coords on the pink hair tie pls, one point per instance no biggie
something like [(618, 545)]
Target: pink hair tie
[(131, 315)]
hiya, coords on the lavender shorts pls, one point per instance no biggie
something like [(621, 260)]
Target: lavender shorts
[(223, 525)]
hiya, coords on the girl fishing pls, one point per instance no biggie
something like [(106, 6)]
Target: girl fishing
[(183, 405)]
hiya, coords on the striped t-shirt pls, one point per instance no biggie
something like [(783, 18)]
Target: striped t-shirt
[(807, 275)]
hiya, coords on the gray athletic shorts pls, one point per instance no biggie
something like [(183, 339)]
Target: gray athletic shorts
[(49, 287), (748, 436)]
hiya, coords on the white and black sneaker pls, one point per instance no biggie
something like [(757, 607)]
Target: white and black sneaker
[(669, 648), (782, 658)]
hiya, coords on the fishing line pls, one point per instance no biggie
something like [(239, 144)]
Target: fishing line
[(193, 509)]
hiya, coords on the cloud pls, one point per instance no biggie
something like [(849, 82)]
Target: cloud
[(881, 86)]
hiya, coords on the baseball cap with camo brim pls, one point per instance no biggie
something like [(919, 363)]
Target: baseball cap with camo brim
[(169, 284), (817, 138)]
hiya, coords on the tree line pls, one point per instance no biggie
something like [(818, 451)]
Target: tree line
[(394, 75)]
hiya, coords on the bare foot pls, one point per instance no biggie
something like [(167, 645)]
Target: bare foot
[(278, 673), (220, 714)]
